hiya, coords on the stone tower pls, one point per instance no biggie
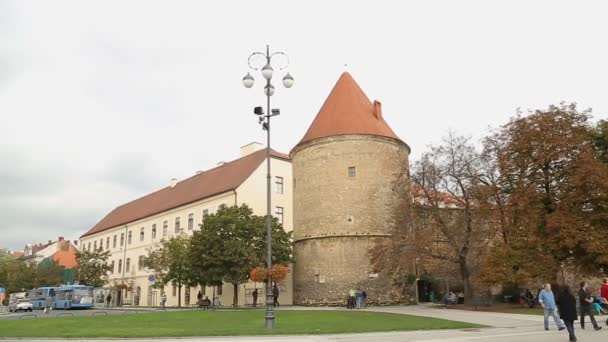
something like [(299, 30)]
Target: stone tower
[(346, 169)]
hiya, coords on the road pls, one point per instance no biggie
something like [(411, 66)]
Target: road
[(504, 328)]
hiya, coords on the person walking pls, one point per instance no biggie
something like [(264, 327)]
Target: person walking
[(547, 301), (604, 294), (566, 303), (358, 298), (163, 300), (255, 297), (108, 300), (275, 295), (586, 300), (364, 298)]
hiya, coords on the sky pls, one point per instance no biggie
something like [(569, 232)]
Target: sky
[(102, 102)]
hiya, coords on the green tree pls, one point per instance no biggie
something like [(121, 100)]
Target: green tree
[(600, 139), (233, 241), (171, 263), (92, 267), (48, 273)]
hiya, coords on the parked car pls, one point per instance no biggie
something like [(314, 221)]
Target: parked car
[(21, 305)]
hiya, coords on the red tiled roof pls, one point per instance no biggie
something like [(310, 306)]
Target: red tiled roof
[(18, 254), (66, 259), (205, 184), (347, 110)]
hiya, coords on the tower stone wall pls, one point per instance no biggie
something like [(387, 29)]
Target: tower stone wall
[(339, 217)]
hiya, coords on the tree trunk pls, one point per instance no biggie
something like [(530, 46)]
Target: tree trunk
[(179, 296), (466, 280), (235, 297)]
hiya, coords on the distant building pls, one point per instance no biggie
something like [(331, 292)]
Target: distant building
[(131, 229), (64, 249)]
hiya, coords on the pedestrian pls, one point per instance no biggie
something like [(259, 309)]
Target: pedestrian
[(163, 300), (275, 295), (358, 298), (255, 297), (566, 302), (108, 299), (364, 298), (351, 299), (199, 296), (586, 300), (547, 301), (604, 294)]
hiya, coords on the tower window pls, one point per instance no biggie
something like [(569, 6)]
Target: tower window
[(352, 171)]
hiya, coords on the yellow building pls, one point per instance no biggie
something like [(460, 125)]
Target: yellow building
[(131, 229)]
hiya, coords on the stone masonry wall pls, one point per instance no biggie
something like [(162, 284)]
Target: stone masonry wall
[(338, 218)]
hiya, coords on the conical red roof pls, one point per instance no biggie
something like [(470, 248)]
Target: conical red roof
[(347, 110)]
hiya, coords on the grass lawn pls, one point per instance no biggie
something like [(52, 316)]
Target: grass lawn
[(205, 323)]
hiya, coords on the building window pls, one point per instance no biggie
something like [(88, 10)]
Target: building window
[(187, 295), (165, 226), (177, 229), (278, 182), (88, 247), (219, 290), (108, 242), (279, 214), (154, 231), (95, 246), (122, 239), (205, 214), (120, 266), (141, 234), (112, 267), (114, 242), (190, 221), (129, 237), (140, 263), (352, 172), (101, 244), (174, 290), (128, 265)]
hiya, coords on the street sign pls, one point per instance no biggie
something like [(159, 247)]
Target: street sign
[(151, 278)]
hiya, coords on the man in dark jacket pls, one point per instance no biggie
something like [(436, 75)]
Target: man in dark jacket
[(275, 295), (586, 300), (566, 303)]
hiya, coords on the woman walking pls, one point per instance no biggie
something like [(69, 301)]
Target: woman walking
[(586, 300), (566, 303)]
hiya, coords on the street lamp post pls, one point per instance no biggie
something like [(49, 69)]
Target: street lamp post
[(263, 62)]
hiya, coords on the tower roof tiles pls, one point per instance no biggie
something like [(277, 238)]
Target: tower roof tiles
[(347, 110)]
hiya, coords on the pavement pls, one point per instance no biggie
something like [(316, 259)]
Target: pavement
[(504, 327)]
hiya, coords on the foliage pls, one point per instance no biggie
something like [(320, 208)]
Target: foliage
[(554, 209), (258, 274), (17, 276), (600, 139), (447, 229), (171, 263), (92, 267), (278, 273), (245, 322), (231, 242)]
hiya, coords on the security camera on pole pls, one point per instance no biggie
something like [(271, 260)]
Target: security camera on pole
[(264, 63)]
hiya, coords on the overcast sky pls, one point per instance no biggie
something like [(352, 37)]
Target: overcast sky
[(105, 101)]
